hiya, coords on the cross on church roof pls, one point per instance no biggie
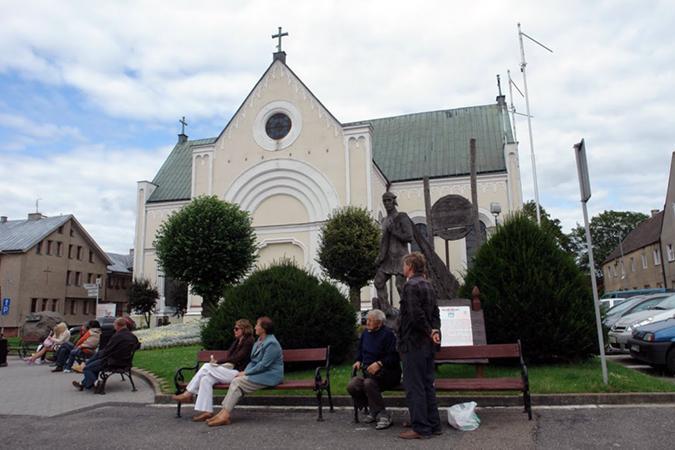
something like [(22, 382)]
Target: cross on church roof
[(183, 123), (279, 35)]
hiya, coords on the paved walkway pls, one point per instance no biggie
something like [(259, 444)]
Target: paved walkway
[(36, 391)]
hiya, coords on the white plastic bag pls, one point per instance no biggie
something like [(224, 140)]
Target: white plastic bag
[(463, 416)]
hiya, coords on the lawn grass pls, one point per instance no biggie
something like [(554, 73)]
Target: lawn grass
[(544, 379), (13, 341)]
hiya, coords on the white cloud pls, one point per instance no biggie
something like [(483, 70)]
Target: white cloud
[(95, 183), (610, 79)]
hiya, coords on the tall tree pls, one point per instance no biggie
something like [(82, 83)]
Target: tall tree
[(349, 244), (209, 244), (143, 298), (549, 225), (607, 230)]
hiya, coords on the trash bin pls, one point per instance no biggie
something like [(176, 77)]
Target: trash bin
[(3, 352)]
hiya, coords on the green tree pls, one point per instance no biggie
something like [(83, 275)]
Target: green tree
[(533, 291), (142, 298), (608, 229), (550, 225), (209, 244), (306, 311), (348, 248)]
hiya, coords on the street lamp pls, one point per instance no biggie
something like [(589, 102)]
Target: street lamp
[(495, 209)]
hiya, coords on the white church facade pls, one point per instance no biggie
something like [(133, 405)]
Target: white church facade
[(288, 161)]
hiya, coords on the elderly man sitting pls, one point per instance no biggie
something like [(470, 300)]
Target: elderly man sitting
[(379, 363)]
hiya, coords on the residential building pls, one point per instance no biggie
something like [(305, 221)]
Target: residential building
[(668, 230), (120, 274), (44, 264)]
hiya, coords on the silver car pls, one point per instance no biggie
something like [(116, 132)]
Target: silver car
[(623, 329)]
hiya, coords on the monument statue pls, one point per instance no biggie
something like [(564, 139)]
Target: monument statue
[(397, 233)]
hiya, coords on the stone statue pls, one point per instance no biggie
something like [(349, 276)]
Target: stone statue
[(397, 233)]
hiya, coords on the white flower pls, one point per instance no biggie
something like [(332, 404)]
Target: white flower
[(171, 335)]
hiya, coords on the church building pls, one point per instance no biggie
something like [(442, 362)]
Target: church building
[(288, 161)]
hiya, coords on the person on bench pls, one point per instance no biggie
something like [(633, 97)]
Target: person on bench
[(117, 353), (85, 346), (379, 362), (219, 372), (56, 338), (266, 369)]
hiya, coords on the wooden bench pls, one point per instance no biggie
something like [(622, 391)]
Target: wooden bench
[(108, 371), (470, 353), (318, 384)]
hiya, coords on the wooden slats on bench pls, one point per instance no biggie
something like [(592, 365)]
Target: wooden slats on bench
[(299, 355), (479, 384), (479, 352), (205, 355)]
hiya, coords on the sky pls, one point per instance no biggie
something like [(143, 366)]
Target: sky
[(91, 92)]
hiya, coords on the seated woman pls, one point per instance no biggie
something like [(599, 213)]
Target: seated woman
[(215, 372), (266, 369), (85, 346), (56, 338)]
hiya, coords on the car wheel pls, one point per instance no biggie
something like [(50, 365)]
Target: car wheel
[(670, 361)]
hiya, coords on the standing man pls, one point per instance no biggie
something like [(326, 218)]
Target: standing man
[(397, 233), (418, 333)]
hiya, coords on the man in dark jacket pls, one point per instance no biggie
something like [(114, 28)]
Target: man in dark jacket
[(418, 333), (380, 365), (118, 352)]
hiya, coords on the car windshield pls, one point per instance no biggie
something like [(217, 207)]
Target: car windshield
[(649, 304), (668, 303), (623, 306)]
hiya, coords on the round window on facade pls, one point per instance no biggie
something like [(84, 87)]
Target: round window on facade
[(278, 126)]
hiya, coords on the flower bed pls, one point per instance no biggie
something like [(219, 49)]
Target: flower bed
[(170, 335)]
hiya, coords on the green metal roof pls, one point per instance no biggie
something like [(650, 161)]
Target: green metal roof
[(436, 143), (174, 178), (407, 147)]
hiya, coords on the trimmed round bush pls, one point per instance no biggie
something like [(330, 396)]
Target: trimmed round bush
[(533, 291), (306, 311)]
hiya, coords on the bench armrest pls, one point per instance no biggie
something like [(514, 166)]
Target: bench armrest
[(179, 378), (523, 369), (319, 383)]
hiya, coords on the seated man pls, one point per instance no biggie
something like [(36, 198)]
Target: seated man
[(380, 365), (85, 346), (118, 352)]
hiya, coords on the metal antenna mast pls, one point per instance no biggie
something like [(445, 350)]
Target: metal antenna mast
[(512, 85), (523, 65)]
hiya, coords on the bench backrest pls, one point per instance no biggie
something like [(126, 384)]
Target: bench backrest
[(479, 352), (292, 355)]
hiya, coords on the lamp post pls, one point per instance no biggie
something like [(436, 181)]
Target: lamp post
[(496, 209)]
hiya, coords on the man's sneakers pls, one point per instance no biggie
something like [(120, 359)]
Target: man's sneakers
[(383, 422), (368, 418), (78, 385), (67, 370), (58, 369)]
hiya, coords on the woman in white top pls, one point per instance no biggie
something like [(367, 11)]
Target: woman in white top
[(58, 336)]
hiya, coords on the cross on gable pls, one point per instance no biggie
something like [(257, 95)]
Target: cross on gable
[(183, 123), (279, 35)]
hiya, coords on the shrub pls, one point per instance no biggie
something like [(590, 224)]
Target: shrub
[(306, 312), (531, 290), (142, 298)]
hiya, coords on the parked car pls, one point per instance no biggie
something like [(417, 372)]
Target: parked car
[(623, 329), (632, 305), (632, 293), (655, 344)]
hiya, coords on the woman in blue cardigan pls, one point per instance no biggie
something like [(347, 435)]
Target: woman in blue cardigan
[(266, 369)]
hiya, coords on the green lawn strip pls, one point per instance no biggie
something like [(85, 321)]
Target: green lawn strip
[(582, 377), (13, 341)]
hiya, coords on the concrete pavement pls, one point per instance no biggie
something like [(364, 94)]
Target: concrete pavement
[(35, 391)]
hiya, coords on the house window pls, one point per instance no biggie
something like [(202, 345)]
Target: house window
[(91, 256), (59, 248), (644, 261), (78, 278), (671, 254), (79, 252), (657, 257), (73, 307), (70, 251), (55, 302), (623, 270), (609, 273), (88, 278), (33, 305), (44, 304), (49, 247), (68, 278), (38, 248), (632, 264), (71, 233), (86, 307), (61, 229)]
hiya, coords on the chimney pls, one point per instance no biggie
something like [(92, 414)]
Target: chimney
[(501, 99), (182, 138), (3, 219), (654, 212), (35, 216)]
